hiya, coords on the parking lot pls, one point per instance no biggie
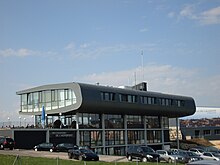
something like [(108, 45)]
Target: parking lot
[(60, 155)]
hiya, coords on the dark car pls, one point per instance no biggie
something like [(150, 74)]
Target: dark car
[(188, 156), (82, 154), (44, 147), (64, 147), (205, 162), (7, 142), (142, 153)]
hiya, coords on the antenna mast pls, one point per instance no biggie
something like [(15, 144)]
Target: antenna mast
[(142, 63)]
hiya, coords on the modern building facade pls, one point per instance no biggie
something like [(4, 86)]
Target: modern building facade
[(108, 119)]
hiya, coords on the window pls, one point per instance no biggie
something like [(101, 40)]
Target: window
[(135, 121), (66, 94), (90, 138), (132, 98), (206, 132), (217, 131), (122, 97), (40, 97), (135, 137), (113, 121), (53, 97), (89, 121), (153, 122), (29, 98), (127, 98), (107, 96), (114, 137), (24, 99)]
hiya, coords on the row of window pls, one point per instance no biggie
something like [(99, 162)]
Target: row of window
[(208, 132), (116, 137), (110, 96), (51, 99), (94, 121), (47, 96)]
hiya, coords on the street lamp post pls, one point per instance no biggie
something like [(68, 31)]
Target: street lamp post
[(32, 116), (20, 120), (9, 124), (24, 122)]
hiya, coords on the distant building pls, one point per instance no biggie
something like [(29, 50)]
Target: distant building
[(205, 123)]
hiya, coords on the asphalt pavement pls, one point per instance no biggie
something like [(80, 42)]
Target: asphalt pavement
[(60, 155)]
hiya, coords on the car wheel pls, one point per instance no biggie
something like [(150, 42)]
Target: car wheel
[(129, 157), (170, 160), (144, 159), (70, 156), (2, 147), (80, 158)]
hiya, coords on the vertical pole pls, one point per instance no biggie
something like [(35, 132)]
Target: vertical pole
[(177, 133), (145, 130), (103, 133), (142, 63), (162, 131), (77, 129), (126, 132)]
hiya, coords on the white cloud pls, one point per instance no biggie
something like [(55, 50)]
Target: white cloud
[(211, 16), (23, 52), (144, 30), (19, 52), (171, 14), (167, 79), (94, 50), (207, 17)]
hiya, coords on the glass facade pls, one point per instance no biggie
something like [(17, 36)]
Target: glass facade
[(105, 133), (89, 121), (51, 99)]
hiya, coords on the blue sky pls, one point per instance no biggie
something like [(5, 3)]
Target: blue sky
[(90, 41)]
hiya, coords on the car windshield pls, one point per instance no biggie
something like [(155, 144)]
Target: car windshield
[(68, 145), (216, 154), (86, 151), (192, 154), (9, 140), (147, 149)]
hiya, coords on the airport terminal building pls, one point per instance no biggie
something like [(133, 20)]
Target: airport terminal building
[(108, 119)]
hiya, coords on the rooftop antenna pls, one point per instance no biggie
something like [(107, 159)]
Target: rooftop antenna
[(142, 63)]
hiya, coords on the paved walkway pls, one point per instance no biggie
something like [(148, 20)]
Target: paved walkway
[(60, 155)]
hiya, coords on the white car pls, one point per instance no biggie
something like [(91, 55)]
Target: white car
[(197, 151), (210, 156), (164, 156)]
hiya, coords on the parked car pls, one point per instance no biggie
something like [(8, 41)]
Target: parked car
[(44, 147), (164, 156), (211, 156), (64, 147), (7, 142), (193, 156), (142, 153), (204, 162), (82, 154), (197, 151), (177, 157)]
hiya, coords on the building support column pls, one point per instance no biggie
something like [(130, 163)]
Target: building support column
[(177, 133), (47, 135), (103, 133), (145, 130), (162, 131), (126, 132), (77, 129)]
